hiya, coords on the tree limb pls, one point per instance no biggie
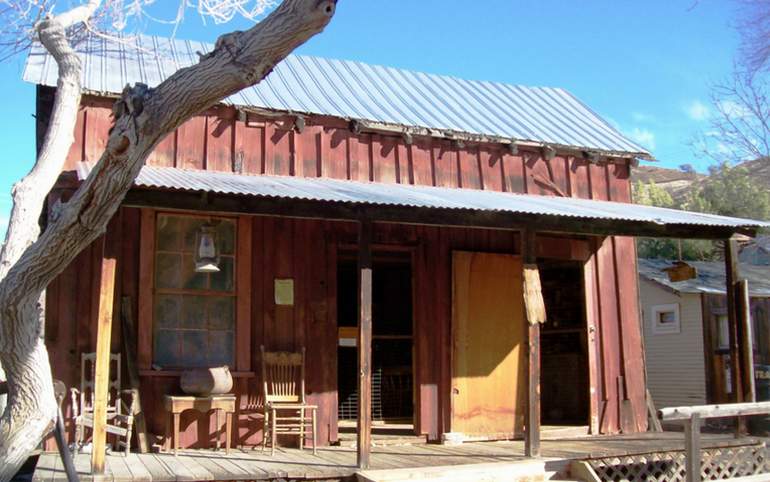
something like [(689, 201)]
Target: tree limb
[(143, 117)]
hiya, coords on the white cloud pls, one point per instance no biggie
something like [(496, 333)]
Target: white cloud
[(697, 110), (645, 137)]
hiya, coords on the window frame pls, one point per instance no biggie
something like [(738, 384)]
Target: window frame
[(208, 292), (667, 328)]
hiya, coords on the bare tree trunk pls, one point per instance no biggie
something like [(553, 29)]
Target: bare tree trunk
[(31, 408), (143, 117)]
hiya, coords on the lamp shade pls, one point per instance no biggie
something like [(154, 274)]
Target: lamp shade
[(206, 253)]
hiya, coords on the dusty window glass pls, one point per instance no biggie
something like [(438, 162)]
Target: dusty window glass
[(194, 323)]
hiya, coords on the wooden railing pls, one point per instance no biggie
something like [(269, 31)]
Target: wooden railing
[(692, 417)]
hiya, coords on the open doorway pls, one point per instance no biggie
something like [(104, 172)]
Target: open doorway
[(392, 343), (564, 345)]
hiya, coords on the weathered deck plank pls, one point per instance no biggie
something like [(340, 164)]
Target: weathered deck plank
[(139, 471), (339, 462)]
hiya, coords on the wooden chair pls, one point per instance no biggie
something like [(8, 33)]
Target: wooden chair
[(283, 379), (121, 404)]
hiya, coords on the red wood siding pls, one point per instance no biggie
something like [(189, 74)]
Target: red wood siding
[(306, 251)]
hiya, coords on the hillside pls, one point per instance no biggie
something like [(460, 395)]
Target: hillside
[(677, 182)]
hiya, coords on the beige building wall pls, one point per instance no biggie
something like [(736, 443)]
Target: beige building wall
[(676, 372)]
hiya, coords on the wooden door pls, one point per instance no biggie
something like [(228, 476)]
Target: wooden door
[(489, 336)]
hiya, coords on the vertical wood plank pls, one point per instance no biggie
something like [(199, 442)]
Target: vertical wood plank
[(470, 168), (403, 164), (97, 127), (219, 140), (608, 308), (422, 171), (243, 295), (592, 336), (334, 148), (76, 153), (444, 164), (578, 178), (364, 345), (146, 289), (248, 146), (103, 345), (278, 152), (164, 153), (384, 159), (514, 173), (491, 163), (532, 432), (330, 368), (191, 144), (358, 158), (629, 330)]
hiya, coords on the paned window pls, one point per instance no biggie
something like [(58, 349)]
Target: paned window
[(194, 313)]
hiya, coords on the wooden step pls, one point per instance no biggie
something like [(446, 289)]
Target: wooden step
[(522, 471)]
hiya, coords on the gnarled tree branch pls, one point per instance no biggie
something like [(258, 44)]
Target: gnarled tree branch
[(143, 117)]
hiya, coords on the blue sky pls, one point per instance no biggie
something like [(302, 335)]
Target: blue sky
[(644, 66)]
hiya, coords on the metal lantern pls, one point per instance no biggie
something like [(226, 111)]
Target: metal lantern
[(206, 253)]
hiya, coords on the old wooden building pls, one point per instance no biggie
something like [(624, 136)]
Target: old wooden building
[(443, 189)]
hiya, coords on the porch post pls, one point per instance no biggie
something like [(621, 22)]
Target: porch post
[(364, 428), (743, 305), (102, 364), (532, 432), (741, 354)]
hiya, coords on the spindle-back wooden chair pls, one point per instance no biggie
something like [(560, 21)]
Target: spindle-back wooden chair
[(121, 404), (283, 379)]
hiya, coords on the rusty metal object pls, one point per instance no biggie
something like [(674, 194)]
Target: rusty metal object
[(207, 381)]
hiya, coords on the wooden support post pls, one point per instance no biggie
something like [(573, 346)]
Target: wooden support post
[(737, 369), (532, 432), (364, 344), (102, 365), (731, 276), (743, 306), (692, 448)]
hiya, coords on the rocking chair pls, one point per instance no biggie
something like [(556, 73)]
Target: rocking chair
[(283, 378), (121, 404)]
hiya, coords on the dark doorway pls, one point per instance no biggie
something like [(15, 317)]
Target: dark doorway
[(392, 344), (564, 347)]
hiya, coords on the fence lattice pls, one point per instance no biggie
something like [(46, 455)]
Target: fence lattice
[(721, 463)]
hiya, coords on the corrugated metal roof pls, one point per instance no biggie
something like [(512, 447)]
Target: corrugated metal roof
[(353, 192), (354, 90), (710, 279)]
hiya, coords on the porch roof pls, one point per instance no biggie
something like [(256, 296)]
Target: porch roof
[(339, 199)]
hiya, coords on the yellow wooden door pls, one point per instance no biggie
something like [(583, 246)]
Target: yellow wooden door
[(489, 336)]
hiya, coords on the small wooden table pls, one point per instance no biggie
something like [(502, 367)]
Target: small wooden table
[(176, 404)]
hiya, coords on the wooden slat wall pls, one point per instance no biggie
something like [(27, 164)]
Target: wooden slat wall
[(306, 251)]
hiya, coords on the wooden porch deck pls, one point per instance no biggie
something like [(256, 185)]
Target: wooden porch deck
[(339, 462)]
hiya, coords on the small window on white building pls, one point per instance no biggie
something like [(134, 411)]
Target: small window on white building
[(665, 319)]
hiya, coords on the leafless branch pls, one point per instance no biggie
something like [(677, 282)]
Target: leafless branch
[(19, 17), (739, 125)]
